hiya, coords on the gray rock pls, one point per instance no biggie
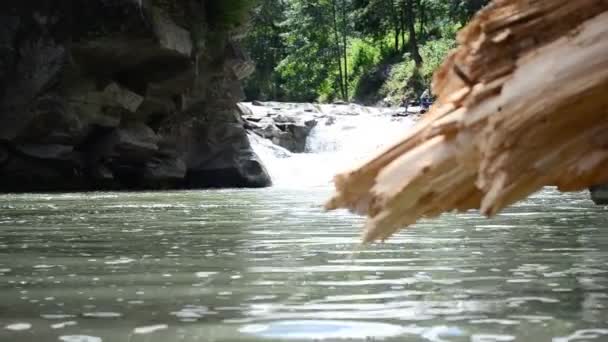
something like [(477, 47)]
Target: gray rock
[(281, 119), (170, 36), (164, 170), (129, 144), (289, 129), (102, 173), (330, 121), (244, 110), (114, 94), (599, 194), (47, 151), (220, 155)]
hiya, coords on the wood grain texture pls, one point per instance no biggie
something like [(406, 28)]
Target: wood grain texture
[(522, 103)]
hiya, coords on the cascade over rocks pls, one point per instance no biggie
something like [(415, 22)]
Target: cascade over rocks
[(289, 124), (121, 94)]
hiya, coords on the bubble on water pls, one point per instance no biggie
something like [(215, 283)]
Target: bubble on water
[(204, 274), (63, 324), (191, 312), (18, 326), (79, 338), (150, 329), (491, 338), (586, 334), (56, 316), (120, 261), (326, 329), (102, 314)]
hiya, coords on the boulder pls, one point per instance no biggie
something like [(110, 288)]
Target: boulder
[(220, 155), (295, 135), (47, 151), (131, 143), (164, 172), (117, 96), (215, 147), (285, 131), (599, 194)]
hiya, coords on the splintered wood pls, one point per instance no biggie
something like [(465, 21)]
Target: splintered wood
[(521, 104)]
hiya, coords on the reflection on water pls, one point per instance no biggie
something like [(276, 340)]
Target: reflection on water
[(270, 265)]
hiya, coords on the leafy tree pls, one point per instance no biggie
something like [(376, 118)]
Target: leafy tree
[(309, 50), (266, 47)]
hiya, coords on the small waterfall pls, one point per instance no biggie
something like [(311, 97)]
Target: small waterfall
[(338, 142)]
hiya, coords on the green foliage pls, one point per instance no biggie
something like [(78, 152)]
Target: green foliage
[(227, 14), (396, 88), (266, 47), (433, 53), (363, 58), (407, 81), (301, 80), (303, 48)]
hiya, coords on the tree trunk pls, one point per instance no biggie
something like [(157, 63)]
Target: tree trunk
[(401, 11), (422, 16), (521, 104), (411, 22), (338, 49), (393, 10), (345, 47)]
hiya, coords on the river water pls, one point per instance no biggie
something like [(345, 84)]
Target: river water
[(270, 265)]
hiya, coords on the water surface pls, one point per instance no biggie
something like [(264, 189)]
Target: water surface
[(267, 265)]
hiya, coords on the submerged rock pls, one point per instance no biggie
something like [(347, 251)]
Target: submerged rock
[(599, 194), (111, 94)]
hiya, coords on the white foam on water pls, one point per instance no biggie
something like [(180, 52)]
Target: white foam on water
[(56, 316), (331, 147), (79, 338), (120, 261), (325, 329), (150, 329), (102, 314), (63, 324), (18, 326)]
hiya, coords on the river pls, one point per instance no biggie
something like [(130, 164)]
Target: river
[(270, 265)]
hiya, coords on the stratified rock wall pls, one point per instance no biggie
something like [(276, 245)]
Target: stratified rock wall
[(121, 94)]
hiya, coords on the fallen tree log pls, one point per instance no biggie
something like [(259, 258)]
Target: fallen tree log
[(522, 103)]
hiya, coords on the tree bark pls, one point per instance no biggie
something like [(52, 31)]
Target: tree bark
[(521, 104), (422, 15), (401, 10), (345, 47), (394, 10), (411, 22), (338, 49)]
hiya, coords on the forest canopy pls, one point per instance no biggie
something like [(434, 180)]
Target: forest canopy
[(353, 50)]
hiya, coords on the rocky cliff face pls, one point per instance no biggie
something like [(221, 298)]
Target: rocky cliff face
[(121, 94)]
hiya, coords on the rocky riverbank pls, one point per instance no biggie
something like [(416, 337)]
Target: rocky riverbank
[(122, 94)]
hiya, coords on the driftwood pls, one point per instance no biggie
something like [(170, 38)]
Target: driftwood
[(522, 103)]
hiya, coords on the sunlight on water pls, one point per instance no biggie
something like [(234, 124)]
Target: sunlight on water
[(270, 265)]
